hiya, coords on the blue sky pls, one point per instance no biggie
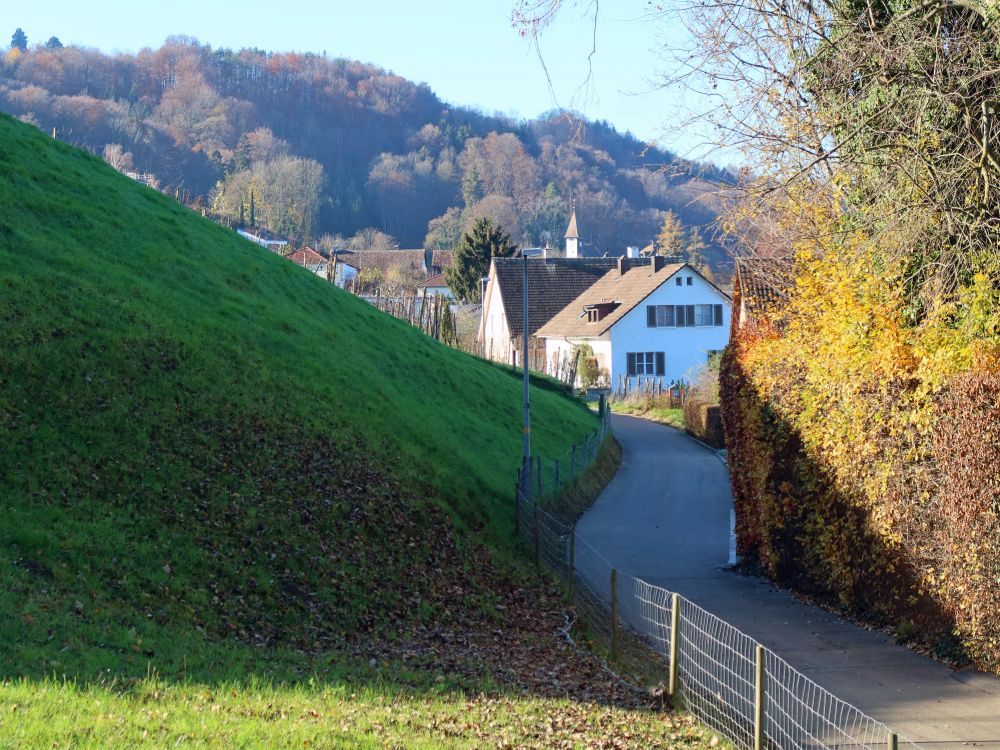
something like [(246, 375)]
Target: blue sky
[(466, 51)]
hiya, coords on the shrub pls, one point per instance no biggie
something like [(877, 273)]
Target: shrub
[(704, 420)]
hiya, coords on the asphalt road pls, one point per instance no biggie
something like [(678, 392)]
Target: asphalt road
[(666, 518)]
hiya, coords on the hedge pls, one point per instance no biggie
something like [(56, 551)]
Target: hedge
[(895, 518), (703, 419)]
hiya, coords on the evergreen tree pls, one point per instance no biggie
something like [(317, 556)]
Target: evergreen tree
[(472, 186), (19, 40), (671, 238), (472, 259), (253, 210), (53, 43), (242, 211), (695, 252)]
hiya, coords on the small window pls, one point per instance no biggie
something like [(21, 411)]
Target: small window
[(690, 280), (680, 281), (713, 356), (665, 316), (646, 363)]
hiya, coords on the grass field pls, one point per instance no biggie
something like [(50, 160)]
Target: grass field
[(651, 409), (243, 507)]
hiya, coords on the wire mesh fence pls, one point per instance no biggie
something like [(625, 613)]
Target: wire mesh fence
[(745, 692)]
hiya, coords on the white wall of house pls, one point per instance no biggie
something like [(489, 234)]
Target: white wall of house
[(438, 291), (344, 273), (495, 336), (683, 348), (560, 351)]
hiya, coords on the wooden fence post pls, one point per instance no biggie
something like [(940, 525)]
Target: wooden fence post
[(675, 640), (893, 743), (758, 701), (572, 559), (614, 614)]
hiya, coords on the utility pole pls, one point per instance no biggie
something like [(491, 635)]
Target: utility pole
[(527, 406)]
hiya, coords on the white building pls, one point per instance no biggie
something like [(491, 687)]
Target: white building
[(656, 320), (264, 239)]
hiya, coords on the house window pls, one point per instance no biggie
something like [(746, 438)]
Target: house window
[(679, 281), (680, 316), (713, 356), (645, 363), (690, 280)]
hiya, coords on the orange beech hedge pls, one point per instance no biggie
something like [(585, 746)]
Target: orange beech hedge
[(900, 523)]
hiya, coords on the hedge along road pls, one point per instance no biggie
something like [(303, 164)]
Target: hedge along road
[(665, 518)]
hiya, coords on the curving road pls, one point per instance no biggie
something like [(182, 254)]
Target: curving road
[(666, 518)]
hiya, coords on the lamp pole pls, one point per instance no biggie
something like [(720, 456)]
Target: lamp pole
[(524, 313), (527, 404)]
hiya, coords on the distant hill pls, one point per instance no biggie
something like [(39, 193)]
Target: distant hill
[(331, 146)]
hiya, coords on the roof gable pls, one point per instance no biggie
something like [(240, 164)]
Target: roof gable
[(552, 284), (627, 289)]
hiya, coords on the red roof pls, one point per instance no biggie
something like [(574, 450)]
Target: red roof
[(306, 256), (437, 280)]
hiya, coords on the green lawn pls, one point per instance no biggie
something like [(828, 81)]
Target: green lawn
[(219, 470), (651, 409)]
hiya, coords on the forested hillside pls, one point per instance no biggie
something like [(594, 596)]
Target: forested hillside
[(332, 146)]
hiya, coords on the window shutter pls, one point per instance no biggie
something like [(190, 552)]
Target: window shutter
[(660, 363), (631, 364), (690, 315), (650, 316), (718, 315)]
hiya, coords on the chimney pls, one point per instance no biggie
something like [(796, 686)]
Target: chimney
[(621, 266), (632, 252), (656, 262)]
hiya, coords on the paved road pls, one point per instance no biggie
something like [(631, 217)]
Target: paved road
[(666, 518)]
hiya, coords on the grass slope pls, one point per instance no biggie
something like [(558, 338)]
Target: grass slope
[(229, 487)]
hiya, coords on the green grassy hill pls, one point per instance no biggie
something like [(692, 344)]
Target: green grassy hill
[(218, 470)]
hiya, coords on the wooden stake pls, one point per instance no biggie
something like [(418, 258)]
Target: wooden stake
[(675, 639), (758, 701), (893, 743)]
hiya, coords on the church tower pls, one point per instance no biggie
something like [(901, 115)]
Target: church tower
[(572, 238)]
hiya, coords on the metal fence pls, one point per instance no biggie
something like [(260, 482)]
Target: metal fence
[(740, 689)]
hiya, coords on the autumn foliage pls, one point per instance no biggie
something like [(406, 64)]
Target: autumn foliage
[(863, 447)]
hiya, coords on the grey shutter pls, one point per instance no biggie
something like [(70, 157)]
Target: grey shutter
[(660, 363), (718, 315), (631, 364), (690, 315), (650, 316)]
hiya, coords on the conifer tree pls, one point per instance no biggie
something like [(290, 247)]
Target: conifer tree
[(472, 259), (671, 238), (695, 252), (19, 40)]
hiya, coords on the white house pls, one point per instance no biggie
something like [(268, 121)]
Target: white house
[(264, 239), (656, 320)]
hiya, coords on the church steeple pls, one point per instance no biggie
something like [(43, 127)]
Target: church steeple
[(572, 237)]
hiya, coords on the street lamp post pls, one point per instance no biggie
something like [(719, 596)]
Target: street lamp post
[(524, 313)]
